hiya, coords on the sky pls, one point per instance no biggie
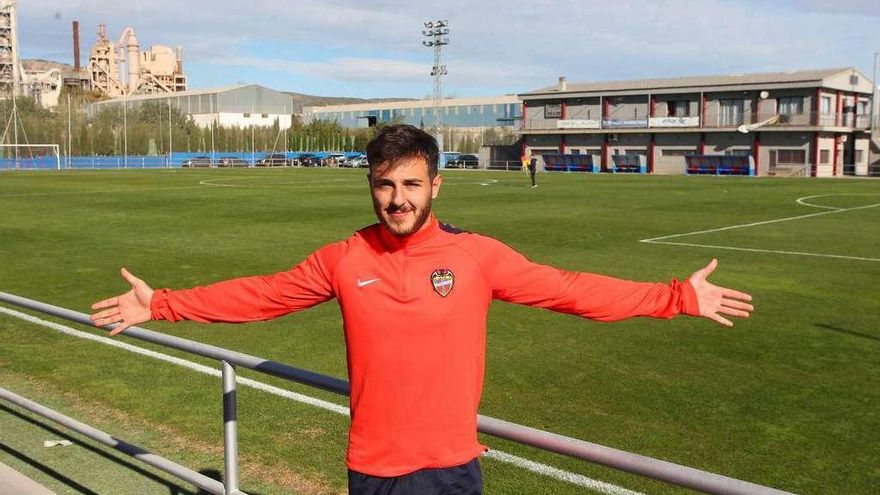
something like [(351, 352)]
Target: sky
[(373, 49)]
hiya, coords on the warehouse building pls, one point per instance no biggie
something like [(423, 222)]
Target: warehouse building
[(232, 106), (491, 111), (813, 122)]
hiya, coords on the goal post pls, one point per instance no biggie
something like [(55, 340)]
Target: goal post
[(30, 157)]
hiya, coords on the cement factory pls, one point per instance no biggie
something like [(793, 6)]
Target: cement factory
[(113, 69)]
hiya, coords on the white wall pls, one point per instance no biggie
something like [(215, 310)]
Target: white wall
[(239, 120)]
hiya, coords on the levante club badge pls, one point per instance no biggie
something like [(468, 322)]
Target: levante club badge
[(443, 280)]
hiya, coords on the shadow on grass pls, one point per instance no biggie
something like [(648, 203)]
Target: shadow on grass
[(47, 470), (173, 489), (214, 475), (849, 332)]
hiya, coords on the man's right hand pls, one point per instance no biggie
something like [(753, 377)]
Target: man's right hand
[(129, 309)]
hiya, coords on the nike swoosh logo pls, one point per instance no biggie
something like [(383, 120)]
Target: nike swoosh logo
[(364, 283)]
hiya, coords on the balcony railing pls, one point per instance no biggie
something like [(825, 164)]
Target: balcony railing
[(712, 120)]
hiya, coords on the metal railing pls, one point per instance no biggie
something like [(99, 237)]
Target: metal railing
[(713, 119), (668, 472)]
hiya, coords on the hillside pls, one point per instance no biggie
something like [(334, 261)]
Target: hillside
[(300, 100)]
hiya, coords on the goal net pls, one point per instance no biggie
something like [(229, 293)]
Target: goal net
[(30, 157)]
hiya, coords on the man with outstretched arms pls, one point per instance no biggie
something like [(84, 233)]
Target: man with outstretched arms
[(414, 295)]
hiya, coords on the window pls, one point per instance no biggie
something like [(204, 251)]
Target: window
[(737, 152), (246, 115), (791, 105), (678, 108), (824, 156), (791, 156), (858, 156), (731, 112), (862, 107), (825, 104), (553, 111)]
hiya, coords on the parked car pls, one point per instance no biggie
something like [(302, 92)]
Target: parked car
[(464, 161), (231, 161), (199, 161), (334, 160), (273, 160), (357, 162), (307, 160)]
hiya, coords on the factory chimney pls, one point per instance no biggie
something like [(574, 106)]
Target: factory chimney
[(76, 66), (179, 59)]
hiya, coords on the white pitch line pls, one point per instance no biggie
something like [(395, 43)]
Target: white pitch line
[(742, 226), (535, 467), (133, 190), (178, 361), (801, 201), (577, 479), (755, 250)]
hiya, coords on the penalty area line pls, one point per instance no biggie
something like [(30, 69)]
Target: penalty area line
[(756, 250), (529, 465)]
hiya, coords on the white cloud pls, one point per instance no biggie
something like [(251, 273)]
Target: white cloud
[(516, 44)]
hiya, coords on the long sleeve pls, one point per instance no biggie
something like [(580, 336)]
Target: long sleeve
[(516, 279), (254, 298)]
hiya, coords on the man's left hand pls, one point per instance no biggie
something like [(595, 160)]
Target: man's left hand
[(715, 301)]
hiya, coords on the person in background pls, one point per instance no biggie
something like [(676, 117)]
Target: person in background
[(533, 167)]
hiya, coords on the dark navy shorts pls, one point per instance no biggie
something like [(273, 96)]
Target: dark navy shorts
[(456, 480)]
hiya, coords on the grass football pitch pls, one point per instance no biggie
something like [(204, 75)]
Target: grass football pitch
[(788, 398)]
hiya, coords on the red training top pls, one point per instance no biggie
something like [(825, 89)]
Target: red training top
[(414, 312)]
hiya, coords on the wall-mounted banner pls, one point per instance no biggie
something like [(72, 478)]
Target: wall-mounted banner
[(578, 124), (675, 122), (624, 124)]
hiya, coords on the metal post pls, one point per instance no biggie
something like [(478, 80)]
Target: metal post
[(125, 130), (230, 431), (170, 144)]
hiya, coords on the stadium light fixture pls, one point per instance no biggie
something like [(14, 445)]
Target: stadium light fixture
[(436, 35)]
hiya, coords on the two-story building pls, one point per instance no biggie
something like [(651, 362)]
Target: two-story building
[(813, 122)]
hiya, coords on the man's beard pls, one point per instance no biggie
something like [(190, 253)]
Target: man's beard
[(422, 215)]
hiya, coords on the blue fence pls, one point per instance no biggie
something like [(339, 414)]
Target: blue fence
[(176, 160), (34, 163)]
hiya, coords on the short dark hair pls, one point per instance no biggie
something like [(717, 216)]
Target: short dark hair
[(403, 141)]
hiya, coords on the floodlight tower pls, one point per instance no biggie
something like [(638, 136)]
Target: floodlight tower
[(436, 35)]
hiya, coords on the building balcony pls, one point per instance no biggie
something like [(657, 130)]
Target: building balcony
[(712, 120)]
